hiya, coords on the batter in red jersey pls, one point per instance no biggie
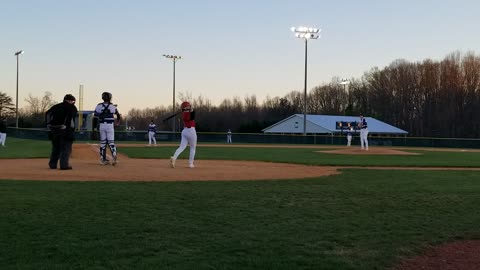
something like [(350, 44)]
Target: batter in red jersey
[(189, 135)]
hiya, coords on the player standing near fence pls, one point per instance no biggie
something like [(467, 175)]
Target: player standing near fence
[(104, 116), (229, 136), (152, 130), (349, 136), (3, 131), (363, 132), (189, 135)]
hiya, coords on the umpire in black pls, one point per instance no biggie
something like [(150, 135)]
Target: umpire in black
[(60, 122)]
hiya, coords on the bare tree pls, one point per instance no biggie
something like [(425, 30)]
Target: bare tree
[(37, 105), (471, 84), (7, 108)]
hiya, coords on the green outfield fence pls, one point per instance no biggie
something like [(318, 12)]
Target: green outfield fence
[(216, 137)]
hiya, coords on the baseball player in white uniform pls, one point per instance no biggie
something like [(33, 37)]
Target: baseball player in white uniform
[(363, 132), (152, 129), (349, 136), (229, 136), (189, 135), (3, 131), (104, 115)]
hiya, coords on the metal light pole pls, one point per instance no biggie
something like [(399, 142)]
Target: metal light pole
[(306, 33), (345, 82), (174, 59), (16, 99)]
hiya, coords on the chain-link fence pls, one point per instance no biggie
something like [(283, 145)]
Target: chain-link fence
[(216, 137)]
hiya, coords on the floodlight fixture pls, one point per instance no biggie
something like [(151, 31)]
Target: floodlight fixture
[(344, 81)]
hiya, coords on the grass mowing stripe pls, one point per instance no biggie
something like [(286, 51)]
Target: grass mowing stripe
[(312, 156), (23, 148), (357, 220)]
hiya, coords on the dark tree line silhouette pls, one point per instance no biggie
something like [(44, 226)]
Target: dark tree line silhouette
[(426, 98), (429, 98)]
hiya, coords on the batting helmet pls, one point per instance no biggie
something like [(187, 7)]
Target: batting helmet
[(106, 96), (185, 105)]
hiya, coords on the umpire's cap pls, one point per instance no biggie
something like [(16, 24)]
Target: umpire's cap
[(69, 97)]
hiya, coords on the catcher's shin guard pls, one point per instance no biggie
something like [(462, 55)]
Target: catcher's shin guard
[(103, 152), (113, 149)]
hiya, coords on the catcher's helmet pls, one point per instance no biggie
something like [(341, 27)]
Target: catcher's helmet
[(106, 96), (185, 105)]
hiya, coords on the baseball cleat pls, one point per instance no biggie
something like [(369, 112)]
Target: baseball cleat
[(115, 161), (172, 162), (191, 166), (104, 162)]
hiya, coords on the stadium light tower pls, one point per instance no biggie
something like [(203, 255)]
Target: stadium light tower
[(305, 33), (17, 54), (345, 82), (174, 58)]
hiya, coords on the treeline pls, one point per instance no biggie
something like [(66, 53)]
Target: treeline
[(426, 98), (239, 115), (429, 98), (30, 116)]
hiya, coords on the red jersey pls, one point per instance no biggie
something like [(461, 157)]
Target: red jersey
[(187, 121)]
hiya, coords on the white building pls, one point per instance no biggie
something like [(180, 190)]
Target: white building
[(326, 124)]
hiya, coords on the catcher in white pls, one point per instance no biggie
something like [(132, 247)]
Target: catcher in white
[(104, 116), (189, 135)]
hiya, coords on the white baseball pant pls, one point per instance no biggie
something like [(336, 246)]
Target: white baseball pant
[(189, 136), (3, 137), (363, 138), (151, 137), (107, 136)]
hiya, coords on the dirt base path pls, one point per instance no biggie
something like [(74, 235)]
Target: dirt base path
[(86, 167), (462, 255)]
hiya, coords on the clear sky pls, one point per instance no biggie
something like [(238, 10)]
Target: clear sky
[(230, 48)]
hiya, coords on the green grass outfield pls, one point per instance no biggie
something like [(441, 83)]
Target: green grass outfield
[(21, 148), (312, 156), (360, 219)]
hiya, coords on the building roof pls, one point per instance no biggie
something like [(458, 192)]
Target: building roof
[(327, 124)]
